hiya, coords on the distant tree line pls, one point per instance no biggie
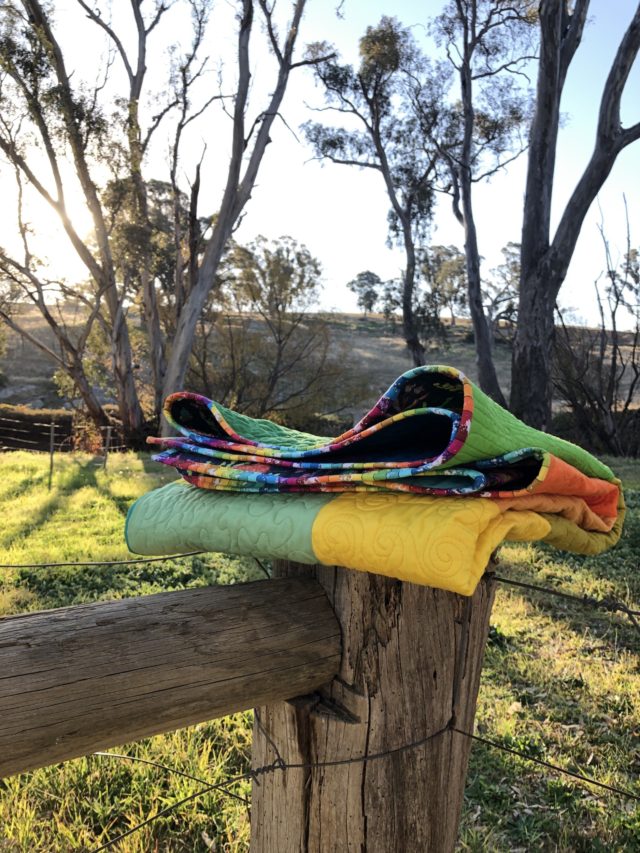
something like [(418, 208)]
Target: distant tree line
[(441, 291)]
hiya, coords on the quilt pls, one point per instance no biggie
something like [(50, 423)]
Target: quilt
[(424, 487)]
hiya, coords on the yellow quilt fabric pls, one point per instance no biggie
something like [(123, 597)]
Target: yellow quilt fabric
[(441, 542)]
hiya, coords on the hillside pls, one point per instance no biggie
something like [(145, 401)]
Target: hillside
[(373, 348)]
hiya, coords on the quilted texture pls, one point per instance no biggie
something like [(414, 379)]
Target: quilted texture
[(432, 432), (440, 542), (428, 483), (178, 517)]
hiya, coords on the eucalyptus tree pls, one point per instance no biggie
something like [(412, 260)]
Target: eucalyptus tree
[(444, 271), (54, 117), (43, 111), (488, 43), (501, 290), (546, 256), (383, 134), (261, 348), (367, 286)]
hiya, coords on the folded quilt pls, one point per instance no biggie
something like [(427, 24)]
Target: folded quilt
[(434, 451), (443, 542)]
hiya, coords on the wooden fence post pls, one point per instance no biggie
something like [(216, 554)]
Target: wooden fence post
[(410, 669), (52, 436), (107, 443)]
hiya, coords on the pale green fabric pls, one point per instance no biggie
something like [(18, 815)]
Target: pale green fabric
[(179, 517)]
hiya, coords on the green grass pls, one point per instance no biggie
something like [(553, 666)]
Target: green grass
[(77, 805), (560, 682)]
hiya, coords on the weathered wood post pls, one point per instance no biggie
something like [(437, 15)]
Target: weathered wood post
[(410, 669), (52, 440)]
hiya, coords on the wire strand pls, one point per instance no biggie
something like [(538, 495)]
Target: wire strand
[(100, 562), (608, 605), (556, 768), (136, 758), (281, 765)]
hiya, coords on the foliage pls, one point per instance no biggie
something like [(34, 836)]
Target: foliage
[(491, 42), (87, 132), (444, 287), (260, 350), (501, 291), (488, 44), (366, 286), (384, 134)]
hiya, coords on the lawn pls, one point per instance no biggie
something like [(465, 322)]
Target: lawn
[(560, 682)]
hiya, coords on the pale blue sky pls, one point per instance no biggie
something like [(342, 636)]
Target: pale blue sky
[(340, 212)]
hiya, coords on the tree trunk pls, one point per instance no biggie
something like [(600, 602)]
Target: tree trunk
[(487, 376), (411, 336), (128, 403), (531, 390), (410, 670), (91, 402), (544, 261)]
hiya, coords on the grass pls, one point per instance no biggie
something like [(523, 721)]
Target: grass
[(560, 682), (77, 805)]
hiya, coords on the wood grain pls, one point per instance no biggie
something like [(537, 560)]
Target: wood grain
[(411, 665), (84, 678)]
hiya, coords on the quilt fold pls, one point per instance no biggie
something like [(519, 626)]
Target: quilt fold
[(424, 487)]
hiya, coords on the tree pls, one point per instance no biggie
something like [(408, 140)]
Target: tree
[(259, 349), (487, 43), (248, 146), (597, 371), (391, 302), (444, 273), (104, 129), (545, 256), (501, 290), (376, 97), (366, 286), (41, 106)]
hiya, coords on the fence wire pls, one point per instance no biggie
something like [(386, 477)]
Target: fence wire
[(591, 602), (280, 765)]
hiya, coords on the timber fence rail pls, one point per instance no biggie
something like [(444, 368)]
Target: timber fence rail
[(279, 765)]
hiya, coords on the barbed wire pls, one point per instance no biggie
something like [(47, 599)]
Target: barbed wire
[(279, 764)]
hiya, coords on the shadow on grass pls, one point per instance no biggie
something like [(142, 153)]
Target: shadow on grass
[(63, 486)]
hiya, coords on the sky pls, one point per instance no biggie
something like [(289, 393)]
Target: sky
[(340, 212)]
